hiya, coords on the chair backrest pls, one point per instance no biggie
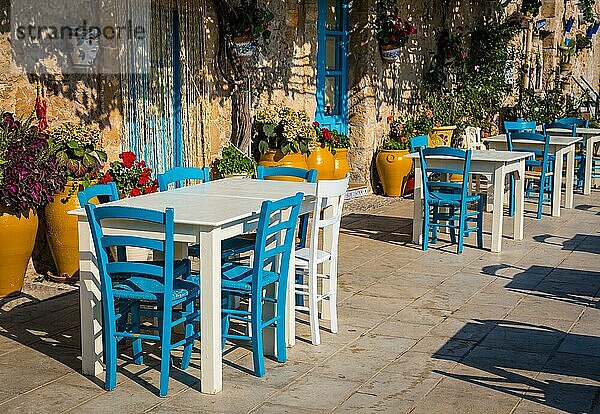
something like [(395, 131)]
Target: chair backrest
[(310, 176), (178, 175), (102, 244), (473, 138), (564, 128), (274, 242), (418, 141), (541, 155), (328, 213), (574, 121), (108, 190), (519, 126), (430, 188)]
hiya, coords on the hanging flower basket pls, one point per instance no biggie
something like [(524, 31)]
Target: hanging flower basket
[(389, 53)]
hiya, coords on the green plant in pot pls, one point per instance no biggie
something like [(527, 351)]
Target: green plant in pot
[(78, 148), (246, 24), (31, 175), (234, 162)]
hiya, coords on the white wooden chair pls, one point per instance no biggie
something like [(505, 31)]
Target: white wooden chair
[(321, 262)]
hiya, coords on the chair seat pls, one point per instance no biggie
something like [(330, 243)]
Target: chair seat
[(239, 277), (229, 247), (303, 255), (151, 288), (450, 199)]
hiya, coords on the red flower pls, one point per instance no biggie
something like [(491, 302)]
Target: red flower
[(135, 192), (437, 124), (326, 134), (141, 164), (144, 178), (316, 124), (151, 188), (106, 178), (399, 127), (128, 158), (390, 118)]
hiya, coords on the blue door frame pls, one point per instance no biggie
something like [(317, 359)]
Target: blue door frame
[(332, 65)]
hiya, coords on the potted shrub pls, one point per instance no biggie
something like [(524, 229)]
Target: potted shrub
[(234, 163), (77, 147), (283, 137), (30, 177), (340, 155), (247, 24), (321, 156), (439, 117), (392, 34), (393, 167)]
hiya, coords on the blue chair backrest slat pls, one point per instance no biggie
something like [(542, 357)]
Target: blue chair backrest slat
[(419, 141), (133, 241), (444, 170), (109, 190), (133, 213), (134, 268), (310, 176), (452, 154), (572, 128), (178, 175), (574, 121), (519, 126)]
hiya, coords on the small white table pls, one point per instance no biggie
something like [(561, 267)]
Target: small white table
[(560, 146), (496, 166), (205, 214), (590, 137)]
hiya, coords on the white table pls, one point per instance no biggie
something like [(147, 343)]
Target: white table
[(590, 137), (206, 214), (496, 166), (560, 146)]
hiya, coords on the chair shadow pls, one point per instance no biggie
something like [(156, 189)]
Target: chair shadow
[(586, 243), (511, 347), (573, 286), (396, 230)]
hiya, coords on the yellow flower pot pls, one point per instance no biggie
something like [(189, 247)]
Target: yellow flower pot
[(276, 158), (341, 164), (441, 136), (322, 160), (393, 168), (17, 232), (62, 234)]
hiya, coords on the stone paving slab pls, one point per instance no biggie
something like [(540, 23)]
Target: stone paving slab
[(420, 332)]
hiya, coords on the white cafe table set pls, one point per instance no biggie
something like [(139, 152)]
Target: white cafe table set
[(206, 214), (590, 136), (496, 166), (560, 146)]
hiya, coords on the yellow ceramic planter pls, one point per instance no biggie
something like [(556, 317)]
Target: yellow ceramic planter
[(18, 234), (322, 160), (393, 168), (441, 136), (341, 164), (276, 158), (62, 234)]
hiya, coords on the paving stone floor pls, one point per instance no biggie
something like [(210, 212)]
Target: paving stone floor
[(434, 332)]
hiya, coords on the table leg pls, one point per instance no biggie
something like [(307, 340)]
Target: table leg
[(210, 308), (556, 194), (519, 201), (290, 309), (499, 177), (89, 303), (570, 177), (589, 155), (418, 205)]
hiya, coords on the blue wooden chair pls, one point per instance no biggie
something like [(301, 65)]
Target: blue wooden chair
[(419, 141), (274, 243), (108, 190), (579, 148), (453, 195), (538, 168), (178, 175), (155, 284), (519, 126)]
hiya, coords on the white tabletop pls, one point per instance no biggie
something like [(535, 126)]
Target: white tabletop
[(554, 140), (579, 130), (489, 155), (217, 202)]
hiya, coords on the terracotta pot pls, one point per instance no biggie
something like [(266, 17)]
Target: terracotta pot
[(61, 232), (441, 136), (276, 158), (389, 53), (17, 232), (393, 168), (340, 162), (322, 160)]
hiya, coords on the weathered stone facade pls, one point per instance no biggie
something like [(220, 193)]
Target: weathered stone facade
[(285, 72)]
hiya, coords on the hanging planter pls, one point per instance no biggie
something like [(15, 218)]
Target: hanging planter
[(84, 47), (389, 53), (247, 25), (244, 47), (392, 34)]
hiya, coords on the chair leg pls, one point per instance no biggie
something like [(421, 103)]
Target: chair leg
[(136, 344), (511, 196), (461, 228), (280, 324), (225, 320), (434, 229), (313, 306), (189, 335), (480, 223), (452, 211), (425, 226), (110, 359), (165, 351), (257, 341), (541, 197)]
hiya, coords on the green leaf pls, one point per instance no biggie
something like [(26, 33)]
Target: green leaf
[(73, 144), (263, 146), (269, 130), (89, 160)]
